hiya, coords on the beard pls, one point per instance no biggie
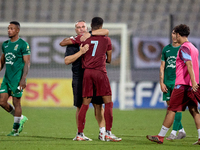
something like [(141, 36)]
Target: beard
[(10, 36)]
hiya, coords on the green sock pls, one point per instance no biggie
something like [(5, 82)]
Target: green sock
[(177, 121), (16, 126)]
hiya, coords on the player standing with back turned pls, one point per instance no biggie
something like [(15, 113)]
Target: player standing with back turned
[(95, 78), (73, 55)]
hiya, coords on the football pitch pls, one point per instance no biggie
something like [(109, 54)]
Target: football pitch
[(54, 129)]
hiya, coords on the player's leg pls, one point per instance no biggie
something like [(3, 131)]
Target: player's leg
[(77, 111), (99, 115), (177, 125), (77, 93), (108, 115), (87, 93), (97, 102), (4, 95), (76, 116), (17, 116), (19, 119), (81, 120), (169, 118), (166, 97), (195, 114), (4, 103), (176, 104)]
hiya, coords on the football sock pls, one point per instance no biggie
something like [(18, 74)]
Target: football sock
[(198, 130), (182, 130), (163, 131), (174, 132), (108, 115), (16, 123), (102, 129), (177, 121), (81, 117)]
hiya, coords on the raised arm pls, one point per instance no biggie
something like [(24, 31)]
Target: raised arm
[(70, 59), (100, 32), (94, 32), (65, 42)]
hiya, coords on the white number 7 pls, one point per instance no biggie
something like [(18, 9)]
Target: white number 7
[(95, 47)]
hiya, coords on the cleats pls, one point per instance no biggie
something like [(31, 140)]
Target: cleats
[(81, 137), (111, 137), (74, 139), (181, 135), (158, 139), (22, 124), (102, 136), (13, 133), (197, 142), (171, 137)]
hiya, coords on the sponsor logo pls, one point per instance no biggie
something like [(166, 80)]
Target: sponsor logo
[(9, 58)]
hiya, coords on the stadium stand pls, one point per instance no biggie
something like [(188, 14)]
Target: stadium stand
[(133, 12)]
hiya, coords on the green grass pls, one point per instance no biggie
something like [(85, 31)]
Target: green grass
[(54, 129)]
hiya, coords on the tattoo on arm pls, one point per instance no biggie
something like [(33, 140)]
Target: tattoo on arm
[(161, 74), (26, 68)]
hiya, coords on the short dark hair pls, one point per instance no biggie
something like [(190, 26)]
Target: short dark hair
[(182, 29), (15, 23), (96, 23)]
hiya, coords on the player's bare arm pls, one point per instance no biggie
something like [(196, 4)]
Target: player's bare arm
[(2, 61), (94, 32), (72, 58), (65, 42), (162, 85), (192, 76), (109, 56), (22, 83)]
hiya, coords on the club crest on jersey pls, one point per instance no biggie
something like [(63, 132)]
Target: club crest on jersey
[(16, 46), (27, 48)]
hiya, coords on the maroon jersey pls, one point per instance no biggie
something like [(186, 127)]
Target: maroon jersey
[(95, 57)]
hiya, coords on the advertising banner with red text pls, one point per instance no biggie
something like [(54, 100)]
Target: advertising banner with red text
[(47, 92)]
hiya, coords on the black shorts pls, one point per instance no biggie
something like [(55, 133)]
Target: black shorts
[(97, 100), (77, 92)]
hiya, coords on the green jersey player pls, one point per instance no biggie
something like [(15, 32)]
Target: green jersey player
[(16, 56), (167, 82)]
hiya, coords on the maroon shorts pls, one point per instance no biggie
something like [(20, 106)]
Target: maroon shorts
[(197, 93), (182, 96), (95, 80)]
